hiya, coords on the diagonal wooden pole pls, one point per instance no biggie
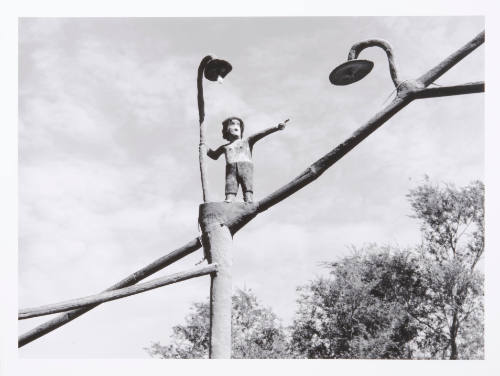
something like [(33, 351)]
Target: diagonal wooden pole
[(235, 221), (108, 296), (132, 279), (433, 74), (445, 91)]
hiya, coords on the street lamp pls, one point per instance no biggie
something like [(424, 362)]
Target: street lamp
[(214, 70), (217, 239), (355, 69)]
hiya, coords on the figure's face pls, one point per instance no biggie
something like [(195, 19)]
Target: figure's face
[(234, 129)]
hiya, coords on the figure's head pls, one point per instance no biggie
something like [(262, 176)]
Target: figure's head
[(232, 128)]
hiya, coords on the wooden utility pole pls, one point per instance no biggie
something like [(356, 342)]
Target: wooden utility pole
[(217, 244), (218, 226)]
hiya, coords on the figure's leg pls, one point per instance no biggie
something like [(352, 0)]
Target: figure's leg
[(231, 182), (248, 196), (245, 170), (230, 197)]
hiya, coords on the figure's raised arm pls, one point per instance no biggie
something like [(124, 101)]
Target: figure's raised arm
[(257, 136), (215, 154)]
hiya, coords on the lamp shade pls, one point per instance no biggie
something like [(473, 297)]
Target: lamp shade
[(216, 68), (350, 72)]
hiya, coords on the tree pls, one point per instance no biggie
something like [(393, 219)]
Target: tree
[(355, 312), (256, 332), (452, 225), (389, 303)]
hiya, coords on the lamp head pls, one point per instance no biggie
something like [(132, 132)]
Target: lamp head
[(350, 72), (217, 68)]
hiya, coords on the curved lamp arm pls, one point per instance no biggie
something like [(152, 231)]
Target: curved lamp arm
[(214, 70), (201, 111), (201, 102), (358, 47)]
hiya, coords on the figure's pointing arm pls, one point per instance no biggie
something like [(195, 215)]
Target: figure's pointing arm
[(215, 154), (256, 137)]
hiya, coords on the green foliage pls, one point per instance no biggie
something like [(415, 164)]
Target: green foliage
[(452, 221), (382, 303), (452, 224), (454, 312), (256, 332), (189, 341), (356, 313)]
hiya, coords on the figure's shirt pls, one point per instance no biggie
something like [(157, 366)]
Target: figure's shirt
[(238, 151)]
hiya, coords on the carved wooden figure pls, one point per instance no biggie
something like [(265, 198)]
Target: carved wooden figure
[(238, 153)]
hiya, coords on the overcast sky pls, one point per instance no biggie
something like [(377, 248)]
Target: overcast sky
[(108, 163)]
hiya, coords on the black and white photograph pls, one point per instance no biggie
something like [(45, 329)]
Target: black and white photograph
[(251, 187)]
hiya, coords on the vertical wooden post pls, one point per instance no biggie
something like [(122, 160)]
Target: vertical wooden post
[(217, 243), (219, 248)]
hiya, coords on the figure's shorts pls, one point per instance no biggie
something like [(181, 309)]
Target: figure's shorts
[(239, 173)]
